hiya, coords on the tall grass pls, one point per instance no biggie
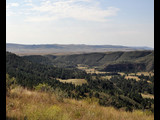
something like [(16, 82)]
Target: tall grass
[(23, 104)]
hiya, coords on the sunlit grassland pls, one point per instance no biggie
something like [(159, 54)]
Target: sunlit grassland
[(89, 70), (147, 95), (32, 105), (138, 73), (132, 77), (121, 73), (145, 73), (73, 81), (106, 77)]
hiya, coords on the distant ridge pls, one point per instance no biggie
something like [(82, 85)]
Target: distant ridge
[(58, 49)]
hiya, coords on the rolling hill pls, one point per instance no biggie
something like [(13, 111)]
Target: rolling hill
[(110, 61), (60, 49)]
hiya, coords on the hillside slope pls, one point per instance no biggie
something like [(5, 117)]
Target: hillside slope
[(33, 105), (110, 61), (31, 73)]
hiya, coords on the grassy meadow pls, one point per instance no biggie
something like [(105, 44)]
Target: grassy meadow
[(132, 77), (147, 96), (73, 81), (24, 104), (89, 70)]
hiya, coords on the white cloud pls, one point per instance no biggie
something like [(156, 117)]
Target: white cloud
[(9, 11), (28, 1), (29, 4), (71, 9), (40, 18), (14, 4)]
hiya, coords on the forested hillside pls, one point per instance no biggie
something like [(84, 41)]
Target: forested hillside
[(30, 74), (117, 91), (132, 61)]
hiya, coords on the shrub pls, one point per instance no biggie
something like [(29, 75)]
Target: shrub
[(10, 83), (43, 88), (60, 95)]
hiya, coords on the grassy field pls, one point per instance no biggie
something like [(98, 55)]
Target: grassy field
[(147, 96), (89, 70), (138, 73), (132, 77), (23, 104), (73, 81), (121, 73), (92, 71), (145, 73), (106, 77)]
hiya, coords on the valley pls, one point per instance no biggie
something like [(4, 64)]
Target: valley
[(122, 81)]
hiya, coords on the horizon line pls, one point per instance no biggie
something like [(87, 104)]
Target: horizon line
[(77, 44)]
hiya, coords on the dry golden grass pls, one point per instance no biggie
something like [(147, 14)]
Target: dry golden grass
[(106, 77), (121, 73), (89, 70), (92, 71), (138, 73), (146, 73), (147, 96), (131, 74), (73, 81), (149, 81), (82, 68), (32, 105), (132, 77)]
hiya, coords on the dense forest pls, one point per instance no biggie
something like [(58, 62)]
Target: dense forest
[(35, 71)]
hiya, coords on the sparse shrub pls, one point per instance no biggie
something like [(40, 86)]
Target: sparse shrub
[(60, 95), (148, 112), (77, 114), (43, 88), (10, 83), (92, 100), (129, 109)]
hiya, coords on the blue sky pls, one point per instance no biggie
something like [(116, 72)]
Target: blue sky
[(100, 22)]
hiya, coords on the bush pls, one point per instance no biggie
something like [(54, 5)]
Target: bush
[(60, 95), (43, 88), (10, 83), (129, 109)]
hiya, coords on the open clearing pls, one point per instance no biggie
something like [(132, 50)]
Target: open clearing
[(132, 77), (106, 77), (146, 73), (147, 96), (138, 73), (89, 70), (73, 81)]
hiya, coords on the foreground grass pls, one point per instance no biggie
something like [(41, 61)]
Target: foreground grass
[(23, 104)]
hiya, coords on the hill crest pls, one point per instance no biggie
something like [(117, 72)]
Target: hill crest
[(63, 49)]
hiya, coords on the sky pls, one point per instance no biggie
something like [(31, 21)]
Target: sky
[(92, 22)]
